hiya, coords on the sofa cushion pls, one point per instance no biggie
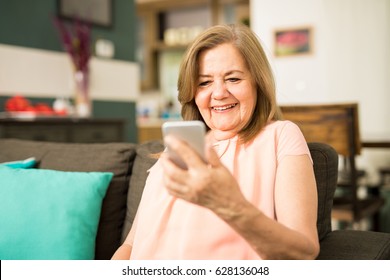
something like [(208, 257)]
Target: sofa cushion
[(146, 157), (355, 245), (48, 214), (109, 157)]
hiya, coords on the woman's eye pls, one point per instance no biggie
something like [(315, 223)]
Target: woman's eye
[(203, 84), (233, 80)]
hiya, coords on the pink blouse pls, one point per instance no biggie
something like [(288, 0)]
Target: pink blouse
[(171, 228)]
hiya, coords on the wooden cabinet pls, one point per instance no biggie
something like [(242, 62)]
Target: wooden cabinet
[(156, 17), (149, 129), (64, 130), (149, 133)]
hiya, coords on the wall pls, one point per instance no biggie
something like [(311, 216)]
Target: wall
[(36, 72), (29, 24), (34, 64), (33, 61), (350, 63)]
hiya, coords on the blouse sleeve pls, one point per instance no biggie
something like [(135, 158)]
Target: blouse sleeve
[(291, 142)]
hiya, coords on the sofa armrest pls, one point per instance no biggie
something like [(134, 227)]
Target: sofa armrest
[(355, 245)]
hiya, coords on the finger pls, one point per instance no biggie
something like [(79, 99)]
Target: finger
[(174, 188), (172, 171), (188, 155)]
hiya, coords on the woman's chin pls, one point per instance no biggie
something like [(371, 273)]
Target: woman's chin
[(223, 134)]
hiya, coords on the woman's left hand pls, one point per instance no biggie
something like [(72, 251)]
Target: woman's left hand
[(206, 184)]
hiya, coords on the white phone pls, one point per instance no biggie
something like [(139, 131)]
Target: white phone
[(192, 132)]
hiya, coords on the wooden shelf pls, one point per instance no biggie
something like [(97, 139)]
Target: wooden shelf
[(153, 19)]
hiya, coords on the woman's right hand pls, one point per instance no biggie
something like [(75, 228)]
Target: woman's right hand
[(210, 185)]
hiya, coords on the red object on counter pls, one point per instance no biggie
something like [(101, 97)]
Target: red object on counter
[(21, 104), (18, 103)]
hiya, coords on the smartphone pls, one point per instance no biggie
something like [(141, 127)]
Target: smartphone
[(192, 132)]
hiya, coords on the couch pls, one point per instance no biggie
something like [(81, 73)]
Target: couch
[(128, 164)]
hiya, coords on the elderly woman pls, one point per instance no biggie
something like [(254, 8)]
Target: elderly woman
[(255, 198)]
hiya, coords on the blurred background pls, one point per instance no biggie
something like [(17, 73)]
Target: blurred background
[(321, 51)]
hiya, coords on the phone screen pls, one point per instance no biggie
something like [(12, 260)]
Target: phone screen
[(192, 132)]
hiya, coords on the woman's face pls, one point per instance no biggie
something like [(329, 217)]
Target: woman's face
[(226, 95)]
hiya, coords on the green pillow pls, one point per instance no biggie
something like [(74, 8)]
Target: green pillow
[(48, 214), (27, 163)]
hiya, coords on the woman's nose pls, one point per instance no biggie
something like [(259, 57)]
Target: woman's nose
[(220, 90)]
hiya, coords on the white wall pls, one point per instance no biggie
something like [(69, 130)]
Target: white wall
[(299, 79), (350, 62), (42, 73)]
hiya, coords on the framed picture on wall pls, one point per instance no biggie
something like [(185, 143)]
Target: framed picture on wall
[(293, 41), (97, 12)]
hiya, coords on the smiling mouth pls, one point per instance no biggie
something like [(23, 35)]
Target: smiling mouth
[(224, 108)]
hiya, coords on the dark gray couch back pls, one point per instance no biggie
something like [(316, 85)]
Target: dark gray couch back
[(325, 163)]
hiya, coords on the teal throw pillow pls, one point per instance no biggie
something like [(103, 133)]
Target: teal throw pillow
[(27, 163), (48, 214)]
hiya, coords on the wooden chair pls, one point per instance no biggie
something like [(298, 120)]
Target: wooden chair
[(338, 126)]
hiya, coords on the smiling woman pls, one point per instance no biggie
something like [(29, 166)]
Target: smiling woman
[(242, 202)]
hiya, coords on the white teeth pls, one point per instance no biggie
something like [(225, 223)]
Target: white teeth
[(222, 108)]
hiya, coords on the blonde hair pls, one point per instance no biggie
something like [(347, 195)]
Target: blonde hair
[(250, 48)]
